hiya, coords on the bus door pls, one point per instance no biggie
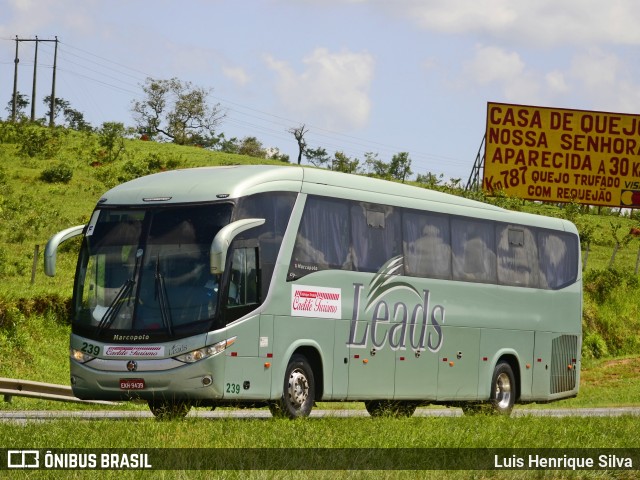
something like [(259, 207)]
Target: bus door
[(245, 374)]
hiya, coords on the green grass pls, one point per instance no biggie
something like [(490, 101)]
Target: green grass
[(611, 382), (600, 255), (417, 432), (335, 433), (607, 383)]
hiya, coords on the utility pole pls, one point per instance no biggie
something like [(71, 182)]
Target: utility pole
[(15, 84), (33, 90), (53, 84), (35, 69)]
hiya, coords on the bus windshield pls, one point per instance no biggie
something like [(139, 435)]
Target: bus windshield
[(146, 271)]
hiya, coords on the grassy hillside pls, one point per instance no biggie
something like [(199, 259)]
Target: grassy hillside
[(52, 179), (32, 208)]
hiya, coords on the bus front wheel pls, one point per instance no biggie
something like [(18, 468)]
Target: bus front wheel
[(298, 392), (503, 389)]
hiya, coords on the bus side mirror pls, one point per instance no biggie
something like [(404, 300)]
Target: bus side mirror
[(223, 239), (54, 242)]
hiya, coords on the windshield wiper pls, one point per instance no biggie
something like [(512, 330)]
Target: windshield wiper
[(161, 295), (123, 295)]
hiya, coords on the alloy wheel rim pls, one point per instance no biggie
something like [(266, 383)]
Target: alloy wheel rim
[(298, 387), (503, 391)]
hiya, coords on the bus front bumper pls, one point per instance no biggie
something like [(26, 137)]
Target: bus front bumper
[(193, 382)]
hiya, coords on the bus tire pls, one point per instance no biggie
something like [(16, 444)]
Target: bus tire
[(298, 394), (503, 389), (164, 410), (387, 408)]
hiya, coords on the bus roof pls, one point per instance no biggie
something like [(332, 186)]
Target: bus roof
[(207, 184)]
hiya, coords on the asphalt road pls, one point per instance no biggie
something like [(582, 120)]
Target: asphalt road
[(47, 415)]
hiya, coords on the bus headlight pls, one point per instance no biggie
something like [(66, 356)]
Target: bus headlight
[(206, 352), (79, 356)]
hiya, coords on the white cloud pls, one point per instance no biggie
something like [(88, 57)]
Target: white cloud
[(495, 64), (237, 75), (31, 17), (556, 82), (607, 80), (507, 71), (539, 22), (332, 91), (596, 69), (594, 79)]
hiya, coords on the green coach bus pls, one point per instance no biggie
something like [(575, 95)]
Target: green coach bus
[(284, 286)]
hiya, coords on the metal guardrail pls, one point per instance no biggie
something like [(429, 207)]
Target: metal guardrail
[(10, 387)]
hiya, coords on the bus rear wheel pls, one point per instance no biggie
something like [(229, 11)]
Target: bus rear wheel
[(167, 410), (298, 392), (503, 389), (388, 408)]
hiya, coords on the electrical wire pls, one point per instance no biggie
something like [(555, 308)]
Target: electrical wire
[(249, 121)]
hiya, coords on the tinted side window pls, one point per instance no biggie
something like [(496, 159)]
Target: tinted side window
[(376, 235), (558, 259), (323, 240), (275, 208), (427, 245), (517, 251), (473, 246)]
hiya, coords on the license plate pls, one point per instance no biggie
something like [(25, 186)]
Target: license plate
[(132, 384)]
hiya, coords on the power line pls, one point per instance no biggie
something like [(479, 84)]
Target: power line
[(37, 41), (109, 61), (106, 84), (327, 137), (122, 78), (66, 52)]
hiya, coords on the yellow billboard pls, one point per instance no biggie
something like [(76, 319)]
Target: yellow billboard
[(560, 155)]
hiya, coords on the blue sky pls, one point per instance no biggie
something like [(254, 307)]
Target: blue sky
[(362, 75)]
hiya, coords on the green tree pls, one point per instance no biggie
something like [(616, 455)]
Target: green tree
[(317, 156), (59, 173), (342, 163), (252, 147), (299, 133), (274, 154), (400, 166), (60, 105), (178, 111), (22, 102), (222, 144), (375, 166), (621, 239), (430, 180), (35, 140), (73, 118), (111, 138)]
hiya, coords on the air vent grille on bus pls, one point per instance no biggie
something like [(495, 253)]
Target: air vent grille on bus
[(564, 350)]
